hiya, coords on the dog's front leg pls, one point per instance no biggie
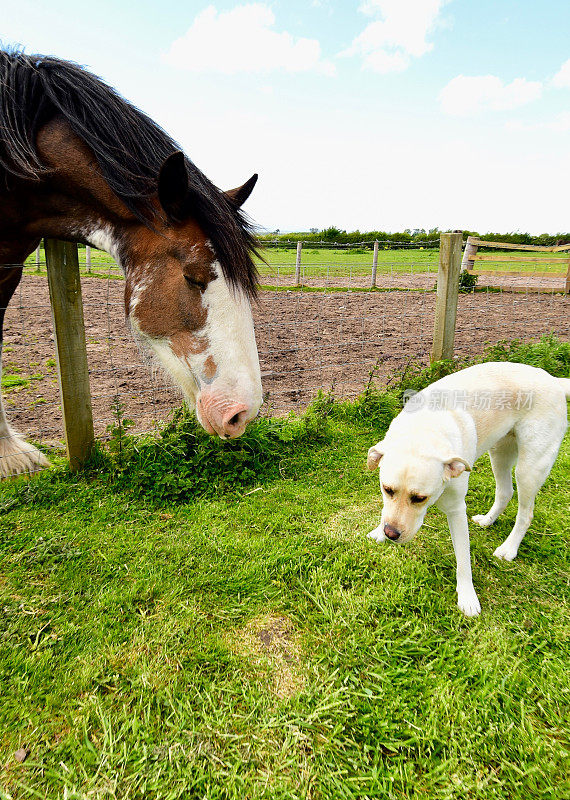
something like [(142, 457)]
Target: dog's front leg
[(467, 599), (452, 503)]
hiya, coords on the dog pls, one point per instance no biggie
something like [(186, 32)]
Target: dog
[(515, 412)]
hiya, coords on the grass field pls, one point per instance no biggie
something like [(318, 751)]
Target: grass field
[(355, 262), (198, 619)]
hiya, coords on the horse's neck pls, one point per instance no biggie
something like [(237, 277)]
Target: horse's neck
[(74, 201)]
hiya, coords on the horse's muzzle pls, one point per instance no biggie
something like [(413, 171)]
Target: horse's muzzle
[(227, 419)]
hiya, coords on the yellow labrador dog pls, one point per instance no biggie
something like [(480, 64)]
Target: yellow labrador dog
[(515, 412)]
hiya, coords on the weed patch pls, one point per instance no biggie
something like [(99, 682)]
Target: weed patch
[(271, 643)]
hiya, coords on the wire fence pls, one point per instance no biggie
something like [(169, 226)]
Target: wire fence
[(318, 323)]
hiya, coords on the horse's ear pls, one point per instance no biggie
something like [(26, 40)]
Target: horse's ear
[(173, 185), (238, 196)]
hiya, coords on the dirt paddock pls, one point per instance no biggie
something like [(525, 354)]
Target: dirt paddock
[(306, 340)]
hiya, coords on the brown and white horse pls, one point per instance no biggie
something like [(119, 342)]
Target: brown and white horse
[(78, 162)]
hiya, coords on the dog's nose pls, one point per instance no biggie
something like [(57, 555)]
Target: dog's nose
[(391, 532)]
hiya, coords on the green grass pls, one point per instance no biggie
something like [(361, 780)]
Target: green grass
[(324, 262), (131, 662), (13, 379), (338, 263)]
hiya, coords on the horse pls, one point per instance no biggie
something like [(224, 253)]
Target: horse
[(80, 163)]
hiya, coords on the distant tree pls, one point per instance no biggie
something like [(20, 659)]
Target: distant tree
[(331, 234)]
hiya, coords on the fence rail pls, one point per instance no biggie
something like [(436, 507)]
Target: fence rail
[(471, 255)]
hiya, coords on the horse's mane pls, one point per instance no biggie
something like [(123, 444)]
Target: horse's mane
[(128, 146)]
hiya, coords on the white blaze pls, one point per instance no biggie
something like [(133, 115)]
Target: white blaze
[(231, 340)]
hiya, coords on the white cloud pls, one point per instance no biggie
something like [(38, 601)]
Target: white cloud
[(389, 44), (466, 96), (562, 78), (243, 40)]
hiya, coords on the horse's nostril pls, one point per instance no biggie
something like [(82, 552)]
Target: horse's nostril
[(234, 422)]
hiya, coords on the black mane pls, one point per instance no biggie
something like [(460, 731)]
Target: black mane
[(128, 146)]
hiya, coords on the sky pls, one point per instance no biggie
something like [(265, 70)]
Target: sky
[(370, 115)]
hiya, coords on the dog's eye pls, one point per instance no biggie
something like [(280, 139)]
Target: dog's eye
[(194, 283), (418, 498), (389, 491)]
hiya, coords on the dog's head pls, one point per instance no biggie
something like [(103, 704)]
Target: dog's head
[(410, 482)]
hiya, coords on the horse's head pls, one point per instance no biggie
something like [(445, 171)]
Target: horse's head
[(189, 303)]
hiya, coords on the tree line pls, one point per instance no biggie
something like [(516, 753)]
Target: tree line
[(417, 237)]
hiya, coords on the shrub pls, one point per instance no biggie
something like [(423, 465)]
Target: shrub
[(467, 281)]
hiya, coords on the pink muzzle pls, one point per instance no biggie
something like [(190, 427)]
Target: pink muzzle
[(226, 418)]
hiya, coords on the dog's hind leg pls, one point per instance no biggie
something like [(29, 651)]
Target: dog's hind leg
[(536, 457), (503, 458)]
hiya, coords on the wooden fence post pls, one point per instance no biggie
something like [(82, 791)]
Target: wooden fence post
[(447, 294), (374, 265), (469, 254), (69, 332), (88, 258), (298, 264), (38, 258)]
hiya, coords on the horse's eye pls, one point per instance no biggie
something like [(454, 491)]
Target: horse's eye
[(418, 498), (389, 491), (194, 283)]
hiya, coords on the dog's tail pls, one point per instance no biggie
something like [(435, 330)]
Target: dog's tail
[(565, 384)]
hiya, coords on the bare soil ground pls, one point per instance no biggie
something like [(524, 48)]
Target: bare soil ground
[(307, 341), (506, 281)]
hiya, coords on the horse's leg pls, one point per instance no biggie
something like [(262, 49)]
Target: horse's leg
[(16, 455)]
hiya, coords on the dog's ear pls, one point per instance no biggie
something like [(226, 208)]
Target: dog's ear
[(374, 455), (453, 467)]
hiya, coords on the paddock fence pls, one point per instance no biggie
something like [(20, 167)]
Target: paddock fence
[(546, 271), (329, 317)]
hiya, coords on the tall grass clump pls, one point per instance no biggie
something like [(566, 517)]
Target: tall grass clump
[(185, 462)]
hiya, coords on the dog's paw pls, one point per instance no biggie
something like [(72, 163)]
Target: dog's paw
[(468, 602), (377, 534), (506, 552), (484, 520)]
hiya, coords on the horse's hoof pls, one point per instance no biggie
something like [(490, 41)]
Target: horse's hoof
[(18, 457)]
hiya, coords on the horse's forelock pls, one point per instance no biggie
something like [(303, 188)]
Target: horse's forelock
[(231, 235)]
